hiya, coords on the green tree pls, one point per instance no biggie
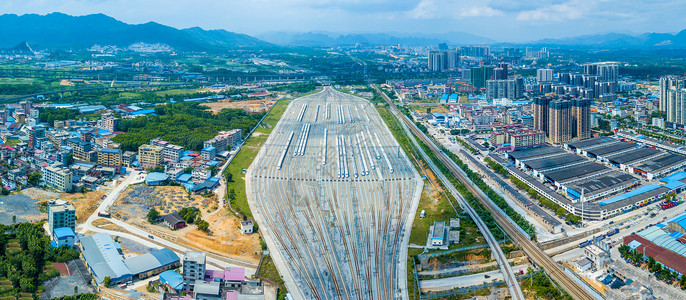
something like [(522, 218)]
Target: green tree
[(70, 159), (4, 191), (107, 281), (561, 211), (682, 281), (153, 214), (229, 177), (34, 178)]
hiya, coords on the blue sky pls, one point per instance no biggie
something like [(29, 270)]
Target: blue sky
[(502, 20)]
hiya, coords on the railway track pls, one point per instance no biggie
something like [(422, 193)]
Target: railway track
[(337, 227), (532, 251)]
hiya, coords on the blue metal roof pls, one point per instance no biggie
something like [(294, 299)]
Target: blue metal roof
[(175, 280), (152, 260), (444, 97), (64, 232), (155, 177), (184, 177), (638, 191), (209, 149), (453, 96)]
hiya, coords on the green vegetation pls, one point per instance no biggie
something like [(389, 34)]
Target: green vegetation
[(26, 259), (661, 272), (495, 197), (50, 115), (87, 296), (235, 183), (153, 214), (268, 271), (543, 287), (185, 124), (497, 167)]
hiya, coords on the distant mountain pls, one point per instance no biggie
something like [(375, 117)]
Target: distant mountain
[(326, 39), (621, 41), (57, 30)]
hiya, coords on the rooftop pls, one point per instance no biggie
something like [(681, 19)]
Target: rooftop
[(591, 142), (661, 163), (102, 257), (575, 171), (535, 152), (195, 256)]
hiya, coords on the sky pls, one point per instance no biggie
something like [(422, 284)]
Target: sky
[(501, 20)]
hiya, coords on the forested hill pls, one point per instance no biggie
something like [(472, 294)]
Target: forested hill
[(185, 124)]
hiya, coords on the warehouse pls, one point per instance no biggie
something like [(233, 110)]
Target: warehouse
[(625, 160), (601, 152), (103, 258), (601, 186), (581, 147), (152, 263), (661, 166)]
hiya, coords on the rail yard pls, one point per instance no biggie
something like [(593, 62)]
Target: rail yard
[(335, 196)]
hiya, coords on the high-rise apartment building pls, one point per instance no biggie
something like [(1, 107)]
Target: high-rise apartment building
[(440, 61), (510, 89), (560, 121), (476, 51), (666, 84), (607, 71), (541, 113), (581, 118), (61, 214), (676, 105), (544, 75), (479, 75), (563, 118)]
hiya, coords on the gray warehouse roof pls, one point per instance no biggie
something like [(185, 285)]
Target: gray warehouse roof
[(557, 161), (633, 155), (103, 258), (150, 261), (661, 163), (575, 171), (612, 149), (591, 142), (535, 152)]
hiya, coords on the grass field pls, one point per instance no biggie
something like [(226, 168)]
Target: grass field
[(12, 142), (16, 80), (246, 156), (268, 270)]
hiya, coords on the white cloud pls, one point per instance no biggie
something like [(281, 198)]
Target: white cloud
[(440, 9), (570, 10)]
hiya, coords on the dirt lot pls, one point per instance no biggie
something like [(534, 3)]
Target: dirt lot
[(85, 203), (247, 105), (137, 201), (225, 238)]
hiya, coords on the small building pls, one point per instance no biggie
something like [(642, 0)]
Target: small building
[(584, 264), (156, 178), (438, 233), (172, 280), (209, 153), (64, 237), (173, 221), (247, 227), (207, 290)]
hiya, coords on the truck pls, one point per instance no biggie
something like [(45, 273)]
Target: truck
[(613, 232), (103, 214)]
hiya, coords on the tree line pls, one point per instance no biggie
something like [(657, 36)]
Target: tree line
[(185, 124)]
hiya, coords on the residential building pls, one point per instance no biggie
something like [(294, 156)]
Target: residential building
[(516, 136), (209, 153), (150, 156), (540, 105), (35, 132), (110, 123), (110, 157), (63, 237), (128, 158), (544, 75), (172, 153), (479, 76), (82, 150), (560, 121), (224, 140), (581, 118), (194, 263), (668, 84), (58, 177), (61, 214), (606, 71)]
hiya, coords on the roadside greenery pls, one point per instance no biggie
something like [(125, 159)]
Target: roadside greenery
[(543, 287)]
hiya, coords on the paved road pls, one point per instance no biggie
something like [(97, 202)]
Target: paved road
[(142, 236), (466, 280)]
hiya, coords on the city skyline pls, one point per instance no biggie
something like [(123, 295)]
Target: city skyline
[(502, 21)]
